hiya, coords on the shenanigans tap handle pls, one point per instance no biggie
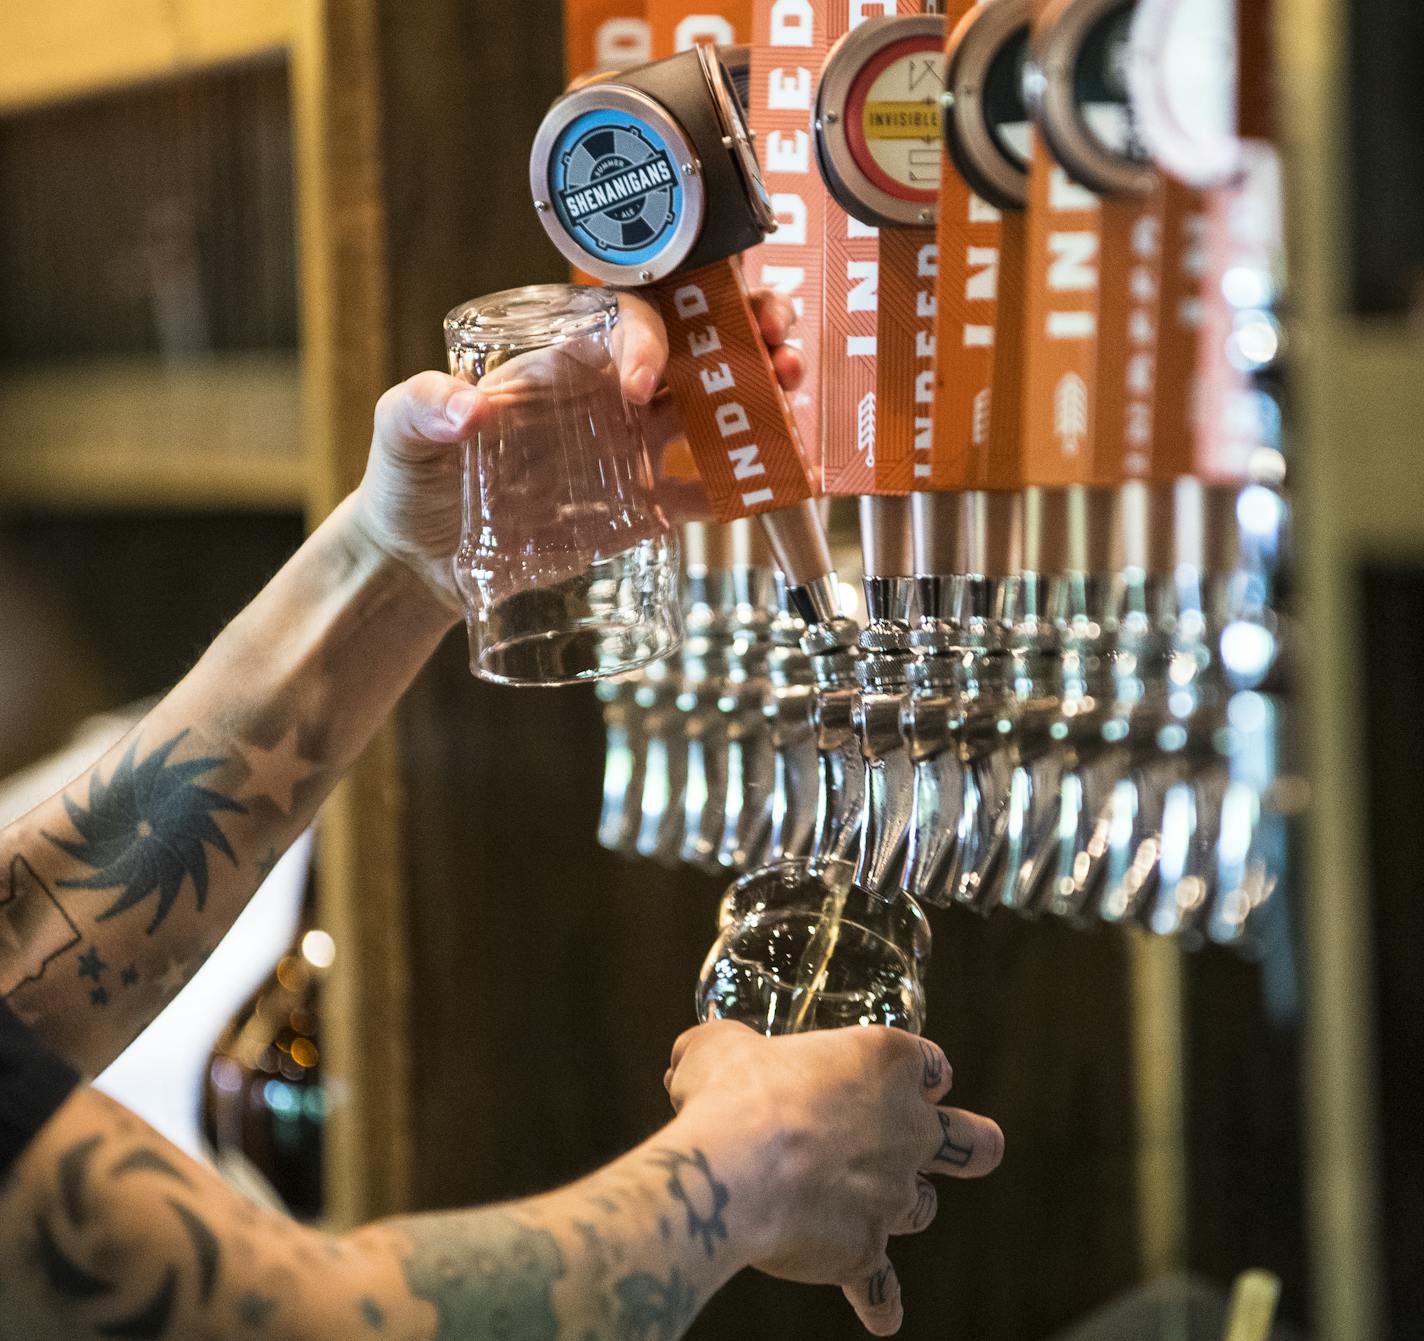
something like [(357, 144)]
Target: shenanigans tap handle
[(648, 178)]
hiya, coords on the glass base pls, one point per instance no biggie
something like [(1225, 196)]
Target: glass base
[(617, 615)]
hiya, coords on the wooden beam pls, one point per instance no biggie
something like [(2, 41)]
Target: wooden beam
[(336, 109), (55, 49), (1358, 399), (221, 432)]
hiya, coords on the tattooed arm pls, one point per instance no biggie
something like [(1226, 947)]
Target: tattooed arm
[(798, 1155), (112, 894)]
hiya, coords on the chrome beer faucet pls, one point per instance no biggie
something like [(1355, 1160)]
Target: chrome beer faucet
[(882, 689), (711, 607), (624, 761), (932, 714), (665, 763), (790, 709), (751, 764), (830, 643)]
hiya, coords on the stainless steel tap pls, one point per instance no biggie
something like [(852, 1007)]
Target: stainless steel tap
[(623, 767), (830, 644), (882, 676), (1164, 813), (790, 709), (932, 721), (1004, 638), (751, 763), (882, 682), (665, 763), (711, 608)]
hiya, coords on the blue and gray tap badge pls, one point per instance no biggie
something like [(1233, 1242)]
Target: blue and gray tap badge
[(616, 188)]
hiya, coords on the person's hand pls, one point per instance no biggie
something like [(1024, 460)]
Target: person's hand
[(409, 501), (851, 1123)]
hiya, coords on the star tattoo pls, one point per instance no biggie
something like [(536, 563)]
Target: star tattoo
[(90, 965), (98, 997), (129, 977), (254, 1309), (690, 1181), (279, 771)]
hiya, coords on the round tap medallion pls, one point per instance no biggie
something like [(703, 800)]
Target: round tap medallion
[(986, 124), (893, 119), (1078, 89), (1182, 70), (878, 120), (616, 187)]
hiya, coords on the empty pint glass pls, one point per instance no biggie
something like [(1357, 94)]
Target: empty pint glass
[(567, 565), (803, 947)]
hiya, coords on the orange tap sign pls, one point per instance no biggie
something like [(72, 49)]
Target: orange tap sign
[(905, 340), (1243, 239), (601, 34), (1129, 366), (1064, 240), (790, 39), (649, 179), (978, 335), (676, 25), (1094, 270), (673, 26), (849, 411), (738, 423)]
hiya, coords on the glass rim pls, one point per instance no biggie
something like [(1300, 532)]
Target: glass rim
[(535, 316)]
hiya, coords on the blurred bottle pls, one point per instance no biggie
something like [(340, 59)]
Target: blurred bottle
[(264, 1103)]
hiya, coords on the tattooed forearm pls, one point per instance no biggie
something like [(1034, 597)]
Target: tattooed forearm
[(106, 1232), (637, 1269)]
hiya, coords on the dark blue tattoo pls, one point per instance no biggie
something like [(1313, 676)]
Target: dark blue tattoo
[(147, 830), (491, 1276), (691, 1182)]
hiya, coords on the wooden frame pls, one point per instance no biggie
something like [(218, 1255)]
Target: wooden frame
[(1360, 401), (122, 436)]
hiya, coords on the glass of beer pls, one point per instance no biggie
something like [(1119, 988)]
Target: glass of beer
[(803, 947)]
